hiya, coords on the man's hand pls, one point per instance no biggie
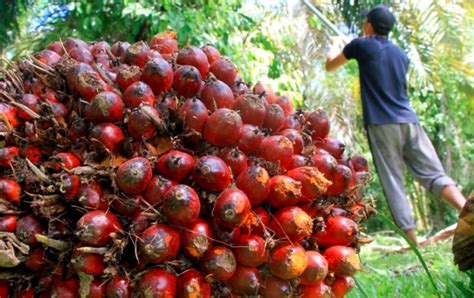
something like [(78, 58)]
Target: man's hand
[(334, 57)]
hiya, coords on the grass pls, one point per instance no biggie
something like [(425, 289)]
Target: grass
[(402, 275)]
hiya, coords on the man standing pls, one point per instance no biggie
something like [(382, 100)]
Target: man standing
[(395, 135)]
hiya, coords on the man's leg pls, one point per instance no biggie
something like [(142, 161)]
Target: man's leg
[(424, 164), (386, 143)]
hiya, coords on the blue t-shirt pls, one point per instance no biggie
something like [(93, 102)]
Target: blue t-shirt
[(382, 72)]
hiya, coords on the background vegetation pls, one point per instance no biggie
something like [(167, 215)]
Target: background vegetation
[(283, 44)]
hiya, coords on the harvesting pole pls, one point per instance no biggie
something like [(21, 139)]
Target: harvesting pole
[(326, 22)]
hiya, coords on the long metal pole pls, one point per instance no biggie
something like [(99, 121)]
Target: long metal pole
[(326, 21)]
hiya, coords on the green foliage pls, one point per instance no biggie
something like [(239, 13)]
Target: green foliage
[(401, 275)]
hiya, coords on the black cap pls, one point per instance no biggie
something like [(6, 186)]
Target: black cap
[(381, 18)]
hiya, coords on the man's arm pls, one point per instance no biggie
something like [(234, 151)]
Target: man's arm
[(334, 57)]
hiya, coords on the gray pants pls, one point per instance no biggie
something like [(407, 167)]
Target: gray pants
[(396, 145)]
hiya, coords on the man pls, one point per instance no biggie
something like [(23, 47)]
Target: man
[(395, 135)]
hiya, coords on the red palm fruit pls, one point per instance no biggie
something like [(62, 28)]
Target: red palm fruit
[(211, 173), (312, 181), (276, 149), (292, 223), (284, 191), (127, 75), (88, 84), (232, 208), (4, 288), (31, 152), (47, 57), (274, 287), (342, 285), (341, 181), (97, 289), (235, 159), (296, 139), (222, 128), (95, 228), (195, 57), (132, 176), (69, 185), (103, 61), (160, 243), (298, 161), (57, 47), (36, 259), (259, 219), (293, 120), (156, 189), (157, 283), (265, 91), (9, 113), (8, 223), (211, 52), (227, 235), (176, 165), (239, 87), (193, 114), (169, 101), (139, 223), (158, 74), (316, 270), (192, 284), (72, 43), (26, 229), (342, 260), (320, 290), (254, 183), (144, 122), (326, 164), (246, 280), (288, 261), (165, 42), (127, 205), (187, 81), (29, 293), (319, 124), (100, 48), (64, 159), (108, 134), (138, 93), (119, 49), (339, 230), (359, 164), (119, 287), (274, 117), (81, 55), (219, 261), (181, 205), (58, 109), (196, 239), (88, 263), (31, 101), (78, 128), (333, 146), (250, 250), (251, 108), (68, 288), (216, 95), (105, 107), (137, 54), (224, 70), (285, 103), (250, 139), (8, 156)]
